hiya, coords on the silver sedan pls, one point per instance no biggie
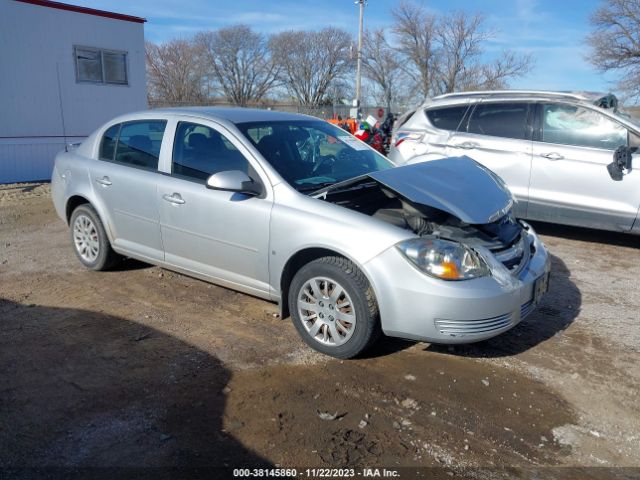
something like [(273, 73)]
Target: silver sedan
[(294, 210)]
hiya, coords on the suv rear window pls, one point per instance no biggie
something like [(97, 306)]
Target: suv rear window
[(508, 120), (402, 119), (447, 118)]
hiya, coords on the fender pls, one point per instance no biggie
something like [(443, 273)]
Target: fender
[(322, 250)]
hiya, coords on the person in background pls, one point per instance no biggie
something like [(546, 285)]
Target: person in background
[(342, 124)]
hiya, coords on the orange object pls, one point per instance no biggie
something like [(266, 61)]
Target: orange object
[(450, 271), (353, 125)]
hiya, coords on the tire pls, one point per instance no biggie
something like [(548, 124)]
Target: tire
[(89, 239), (339, 323)]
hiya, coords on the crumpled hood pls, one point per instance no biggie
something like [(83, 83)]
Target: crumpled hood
[(457, 185)]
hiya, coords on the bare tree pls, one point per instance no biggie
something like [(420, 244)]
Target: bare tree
[(381, 65), (445, 54), (496, 74), (615, 42), (311, 61), (174, 74), (416, 33), (239, 62), (460, 39)]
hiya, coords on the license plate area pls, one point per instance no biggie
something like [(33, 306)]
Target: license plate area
[(540, 287)]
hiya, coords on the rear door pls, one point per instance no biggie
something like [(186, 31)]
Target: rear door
[(498, 135), (223, 235), (125, 179), (570, 183)]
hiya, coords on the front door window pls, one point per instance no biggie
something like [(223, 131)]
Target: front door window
[(581, 127)]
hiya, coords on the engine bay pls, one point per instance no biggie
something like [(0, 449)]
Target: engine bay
[(374, 199)]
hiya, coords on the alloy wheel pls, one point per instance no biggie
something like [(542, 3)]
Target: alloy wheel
[(326, 311), (85, 238)]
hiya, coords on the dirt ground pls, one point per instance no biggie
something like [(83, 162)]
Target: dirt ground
[(142, 367)]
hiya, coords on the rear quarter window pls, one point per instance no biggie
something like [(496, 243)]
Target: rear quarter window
[(446, 118), (402, 119)]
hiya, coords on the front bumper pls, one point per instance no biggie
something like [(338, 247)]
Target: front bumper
[(416, 306)]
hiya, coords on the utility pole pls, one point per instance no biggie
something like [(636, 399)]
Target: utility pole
[(356, 101)]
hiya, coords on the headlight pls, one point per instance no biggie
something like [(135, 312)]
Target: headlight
[(443, 259)]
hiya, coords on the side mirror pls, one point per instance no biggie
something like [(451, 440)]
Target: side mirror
[(234, 181), (621, 161)]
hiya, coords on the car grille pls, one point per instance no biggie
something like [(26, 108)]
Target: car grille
[(515, 255), (469, 327)]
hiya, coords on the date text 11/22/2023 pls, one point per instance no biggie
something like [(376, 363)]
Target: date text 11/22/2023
[(315, 473)]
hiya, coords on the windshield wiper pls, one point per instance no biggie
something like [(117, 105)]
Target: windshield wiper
[(345, 185), (312, 187)]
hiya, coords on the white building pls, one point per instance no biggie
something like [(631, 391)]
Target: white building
[(64, 70)]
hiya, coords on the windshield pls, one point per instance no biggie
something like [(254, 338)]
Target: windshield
[(312, 154)]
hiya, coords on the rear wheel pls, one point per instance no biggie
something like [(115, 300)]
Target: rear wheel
[(90, 241), (333, 307)]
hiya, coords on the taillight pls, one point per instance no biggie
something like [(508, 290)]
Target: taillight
[(402, 136)]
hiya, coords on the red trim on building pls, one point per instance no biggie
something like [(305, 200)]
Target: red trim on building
[(85, 10)]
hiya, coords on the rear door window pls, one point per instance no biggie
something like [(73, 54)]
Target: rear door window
[(200, 151), (508, 120), (447, 118), (139, 143), (580, 126)]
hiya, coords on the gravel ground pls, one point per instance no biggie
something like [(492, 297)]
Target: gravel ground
[(144, 367)]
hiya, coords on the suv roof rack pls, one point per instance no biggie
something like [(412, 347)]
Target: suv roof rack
[(543, 93)]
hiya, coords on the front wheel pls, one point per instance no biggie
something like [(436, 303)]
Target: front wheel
[(333, 307), (90, 241)]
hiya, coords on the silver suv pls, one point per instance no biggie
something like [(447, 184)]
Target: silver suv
[(551, 148)]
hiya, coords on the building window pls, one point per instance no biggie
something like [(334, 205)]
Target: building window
[(94, 65)]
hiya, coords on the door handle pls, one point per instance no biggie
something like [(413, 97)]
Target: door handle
[(176, 198), (104, 181), (466, 145), (552, 156)]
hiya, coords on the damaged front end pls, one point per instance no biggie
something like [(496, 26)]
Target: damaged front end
[(459, 210)]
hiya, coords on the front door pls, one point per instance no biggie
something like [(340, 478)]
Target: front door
[(570, 183), (498, 135), (223, 235)]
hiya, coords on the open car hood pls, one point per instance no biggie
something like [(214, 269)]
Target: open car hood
[(457, 185)]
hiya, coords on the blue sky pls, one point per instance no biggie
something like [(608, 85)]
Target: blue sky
[(553, 31)]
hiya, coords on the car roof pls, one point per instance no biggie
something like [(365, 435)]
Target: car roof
[(578, 95), (476, 96), (232, 114)]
